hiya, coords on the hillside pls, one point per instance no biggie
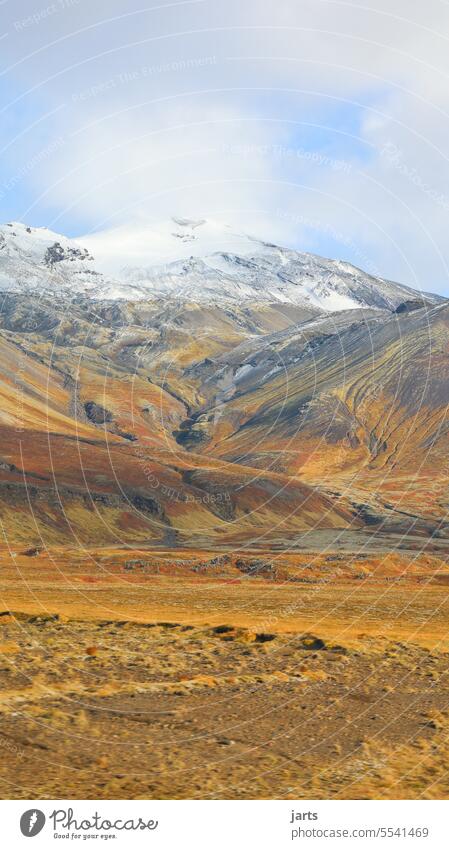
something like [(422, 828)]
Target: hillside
[(222, 410)]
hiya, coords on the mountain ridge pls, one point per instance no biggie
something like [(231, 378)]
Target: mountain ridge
[(243, 270)]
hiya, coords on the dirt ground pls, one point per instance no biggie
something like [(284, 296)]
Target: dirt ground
[(168, 681)]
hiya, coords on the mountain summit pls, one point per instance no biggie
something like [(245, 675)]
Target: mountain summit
[(190, 260)]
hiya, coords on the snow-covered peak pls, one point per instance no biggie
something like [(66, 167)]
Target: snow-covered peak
[(191, 259), (167, 241), (37, 259), (36, 244)]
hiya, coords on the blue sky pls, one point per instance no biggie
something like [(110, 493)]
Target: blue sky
[(320, 124)]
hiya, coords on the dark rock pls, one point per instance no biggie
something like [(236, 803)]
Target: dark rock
[(96, 413), (409, 306), (146, 505), (255, 567)]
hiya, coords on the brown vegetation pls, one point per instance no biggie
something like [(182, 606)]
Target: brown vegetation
[(180, 683)]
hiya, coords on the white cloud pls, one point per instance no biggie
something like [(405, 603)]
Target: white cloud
[(203, 109)]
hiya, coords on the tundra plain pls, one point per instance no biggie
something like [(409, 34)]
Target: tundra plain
[(134, 675)]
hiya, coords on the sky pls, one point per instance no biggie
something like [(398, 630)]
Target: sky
[(317, 124)]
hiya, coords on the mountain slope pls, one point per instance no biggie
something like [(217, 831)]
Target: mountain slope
[(88, 450), (359, 408)]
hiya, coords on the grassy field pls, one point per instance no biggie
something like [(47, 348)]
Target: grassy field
[(131, 675)]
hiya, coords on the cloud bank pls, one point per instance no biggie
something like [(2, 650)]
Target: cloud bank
[(319, 124)]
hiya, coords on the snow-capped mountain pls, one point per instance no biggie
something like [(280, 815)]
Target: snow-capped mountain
[(37, 260), (192, 260)]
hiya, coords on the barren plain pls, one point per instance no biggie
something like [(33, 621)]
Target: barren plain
[(203, 676)]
